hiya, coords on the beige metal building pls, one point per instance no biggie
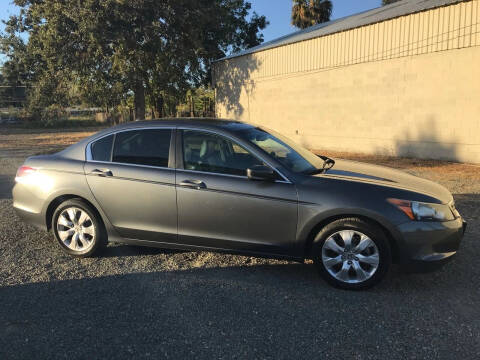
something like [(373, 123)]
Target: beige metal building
[(403, 79)]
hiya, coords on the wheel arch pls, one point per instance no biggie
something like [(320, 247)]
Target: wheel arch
[(320, 224), (53, 205)]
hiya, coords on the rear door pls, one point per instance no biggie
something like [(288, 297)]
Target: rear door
[(132, 176), (219, 207)]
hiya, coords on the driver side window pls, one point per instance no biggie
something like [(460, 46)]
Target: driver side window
[(208, 152)]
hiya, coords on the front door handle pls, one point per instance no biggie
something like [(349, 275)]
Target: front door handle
[(101, 172), (196, 184)]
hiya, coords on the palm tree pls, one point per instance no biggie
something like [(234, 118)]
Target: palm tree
[(306, 13)]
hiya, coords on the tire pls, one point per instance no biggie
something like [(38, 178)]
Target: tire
[(355, 264), (81, 236)]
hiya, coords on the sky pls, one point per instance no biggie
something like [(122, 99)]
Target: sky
[(277, 12)]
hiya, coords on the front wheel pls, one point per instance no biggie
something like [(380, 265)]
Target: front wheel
[(78, 228), (352, 253)]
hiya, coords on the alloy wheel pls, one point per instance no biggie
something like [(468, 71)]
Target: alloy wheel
[(75, 229), (350, 256)]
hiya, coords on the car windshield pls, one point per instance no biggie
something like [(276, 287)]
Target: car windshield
[(293, 156)]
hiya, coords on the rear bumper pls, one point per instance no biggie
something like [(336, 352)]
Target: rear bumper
[(429, 245), (35, 219), (28, 205)]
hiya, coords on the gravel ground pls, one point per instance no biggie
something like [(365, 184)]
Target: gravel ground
[(150, 303)]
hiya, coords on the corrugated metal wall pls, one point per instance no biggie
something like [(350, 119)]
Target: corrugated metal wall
[(451, 27)]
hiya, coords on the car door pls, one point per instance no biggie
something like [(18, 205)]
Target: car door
[(132, 176), (219, 207)]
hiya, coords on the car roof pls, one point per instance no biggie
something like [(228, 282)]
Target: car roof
[(225, 124), (77, 151)]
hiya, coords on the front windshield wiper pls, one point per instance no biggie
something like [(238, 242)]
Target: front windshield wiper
[(327, 165)]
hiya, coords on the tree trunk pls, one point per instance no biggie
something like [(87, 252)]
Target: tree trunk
[(159, 106), (139, 101), (192, 109)]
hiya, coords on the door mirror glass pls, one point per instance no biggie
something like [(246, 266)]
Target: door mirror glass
[(261, 172)]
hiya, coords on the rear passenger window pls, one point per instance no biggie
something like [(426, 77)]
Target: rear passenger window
[(102, 149), (142, 147)]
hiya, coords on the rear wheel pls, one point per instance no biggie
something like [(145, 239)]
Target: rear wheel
[(352, 253), (77, 228)]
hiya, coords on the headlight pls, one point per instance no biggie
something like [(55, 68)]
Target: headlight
[(423, 211)]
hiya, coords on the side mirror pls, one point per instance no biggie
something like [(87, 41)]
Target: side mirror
[(261, 172)]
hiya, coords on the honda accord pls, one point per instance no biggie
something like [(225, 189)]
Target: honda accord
[(222, 185)]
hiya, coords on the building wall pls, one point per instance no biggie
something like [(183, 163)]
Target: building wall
[(407, 86)]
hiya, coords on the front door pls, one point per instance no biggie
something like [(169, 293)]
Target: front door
[(134, 184), (219, 207)]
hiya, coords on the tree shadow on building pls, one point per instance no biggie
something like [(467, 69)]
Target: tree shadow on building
[(231, 77), (424, 142)]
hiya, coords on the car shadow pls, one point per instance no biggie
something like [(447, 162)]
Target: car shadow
[(266, 311), (6, 186), (121, 250)]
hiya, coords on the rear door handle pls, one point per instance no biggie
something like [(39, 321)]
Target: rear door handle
[(196, 184), (101, 172)]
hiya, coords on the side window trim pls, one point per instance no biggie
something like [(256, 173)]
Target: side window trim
[(171, 163), (113, 146), (172, 151), (179, 150), (181, 166)]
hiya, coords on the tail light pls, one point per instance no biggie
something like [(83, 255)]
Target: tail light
[(34, 178), (24, 171)]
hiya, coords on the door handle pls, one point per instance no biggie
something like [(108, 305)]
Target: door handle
[(196, 184), (101, 172)]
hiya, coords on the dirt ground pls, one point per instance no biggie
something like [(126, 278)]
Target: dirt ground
[(151, 303)]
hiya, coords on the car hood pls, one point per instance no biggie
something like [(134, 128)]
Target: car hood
[(358, 171)]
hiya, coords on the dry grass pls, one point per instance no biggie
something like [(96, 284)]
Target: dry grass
[(16, 144), (404, 162), (20, 138)]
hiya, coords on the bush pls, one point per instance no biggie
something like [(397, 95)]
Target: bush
[(53, 115)]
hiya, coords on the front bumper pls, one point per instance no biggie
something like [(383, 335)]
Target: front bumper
[(429, 245)]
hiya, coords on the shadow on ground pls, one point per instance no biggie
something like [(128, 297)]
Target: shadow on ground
[(268, 311), (6, 185), (130, 250)]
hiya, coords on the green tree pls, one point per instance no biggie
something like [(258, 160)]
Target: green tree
[(12, 74), (110, 49), (386, 2), (306, 13), (12, 89)]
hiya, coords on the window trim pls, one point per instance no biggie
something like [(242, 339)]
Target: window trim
[(175, 159), (181, 165), (171, 155)]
